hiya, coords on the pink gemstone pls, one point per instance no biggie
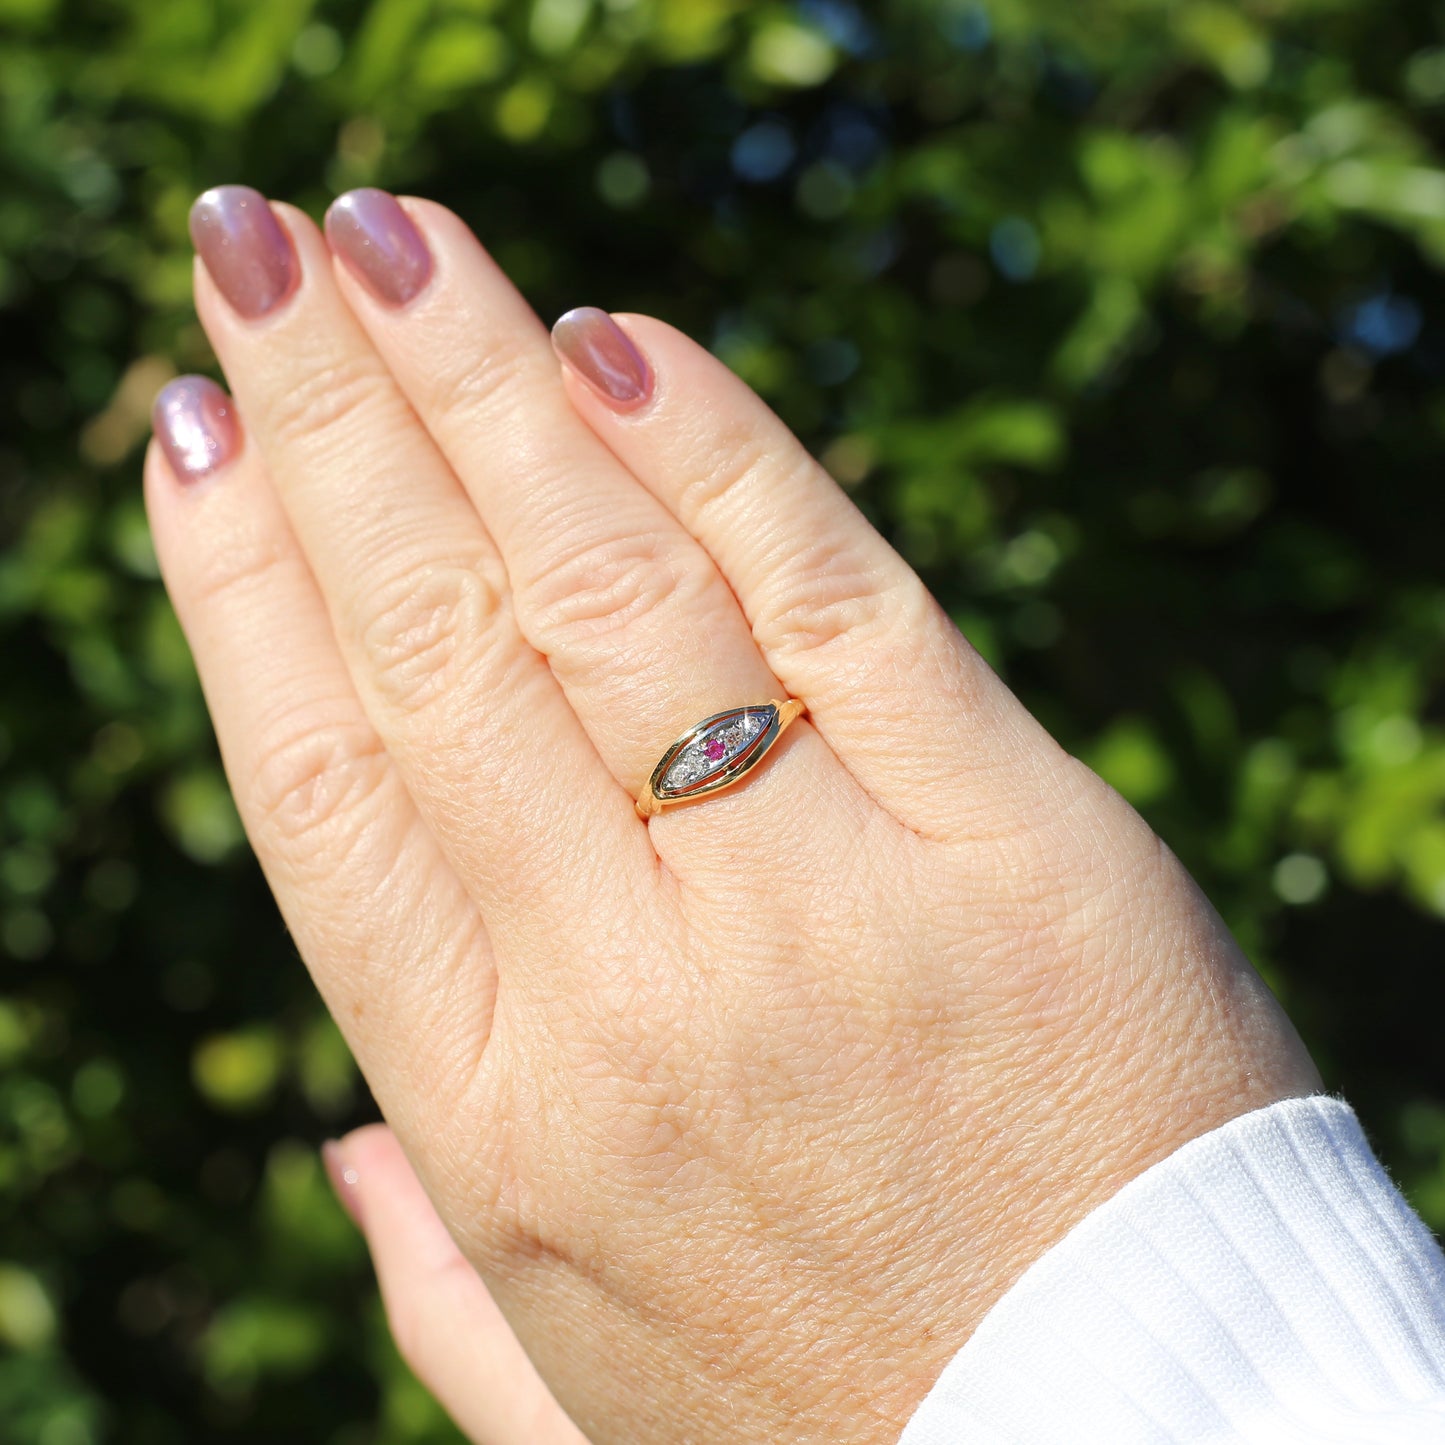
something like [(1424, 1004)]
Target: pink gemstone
[(714, 748)]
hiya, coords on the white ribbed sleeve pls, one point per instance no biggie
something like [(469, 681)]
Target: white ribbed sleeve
[(1266, 1283)]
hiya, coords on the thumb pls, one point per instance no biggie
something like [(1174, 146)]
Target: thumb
[(446, 1325)]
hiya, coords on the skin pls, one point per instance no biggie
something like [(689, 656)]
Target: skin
[(745, 1115)]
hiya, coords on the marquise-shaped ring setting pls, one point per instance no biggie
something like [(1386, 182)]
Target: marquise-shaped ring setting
[(716, 753)]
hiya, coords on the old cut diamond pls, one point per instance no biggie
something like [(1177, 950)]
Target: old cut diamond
[(689, 765), (712, 750)]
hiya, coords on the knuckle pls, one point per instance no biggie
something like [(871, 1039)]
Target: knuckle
[(830, 591), (602, 587), (248, 562), (311, 785), (493, 369), (428, 628), (326, 398), (743, 457)]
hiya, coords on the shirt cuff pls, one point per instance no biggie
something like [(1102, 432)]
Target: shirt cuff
[(1264, 1283)]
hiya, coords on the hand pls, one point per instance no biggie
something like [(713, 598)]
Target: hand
[(748, 1113)]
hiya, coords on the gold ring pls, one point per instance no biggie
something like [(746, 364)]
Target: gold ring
[(716, 753)]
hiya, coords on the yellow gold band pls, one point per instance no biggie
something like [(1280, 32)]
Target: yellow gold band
[(716, 753)]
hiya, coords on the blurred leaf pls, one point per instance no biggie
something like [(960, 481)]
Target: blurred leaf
[(460, 53), (1130, 758), (383, 41), (199, 810), (327, 1070), (1226, 37), (786, 53), (26, 12), (254, 1337), (238, 1071), (524, 108), (556, 25), (180, 65), (27, 1318), (691, 30)]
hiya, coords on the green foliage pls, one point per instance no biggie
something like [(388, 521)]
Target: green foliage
[(1122, 320)]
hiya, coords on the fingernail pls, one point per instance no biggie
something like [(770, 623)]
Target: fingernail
[(344, 1179), (195, 424), (247, 253), (379, 245), (600, 352)]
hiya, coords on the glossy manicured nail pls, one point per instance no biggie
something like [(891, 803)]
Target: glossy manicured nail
[(379, 244), (196, 425), (344, 1179), (247, 253), (600, 352)]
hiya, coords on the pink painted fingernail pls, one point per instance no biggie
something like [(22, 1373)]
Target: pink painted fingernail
[(249, 256), (344, 1179), (602, 354), (195, 423), (379, 244)]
